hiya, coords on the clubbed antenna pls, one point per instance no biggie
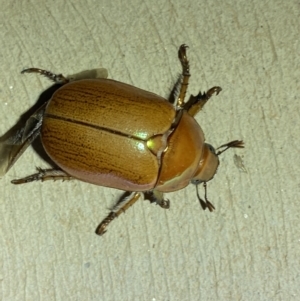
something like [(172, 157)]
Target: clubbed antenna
[(205, 204), (232, 144)]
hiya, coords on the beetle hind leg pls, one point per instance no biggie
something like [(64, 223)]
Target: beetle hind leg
[(119, 208), (44, 175)]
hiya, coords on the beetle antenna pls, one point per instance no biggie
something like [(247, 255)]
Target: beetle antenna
[(202, 203), (205, 204), (232, 144)]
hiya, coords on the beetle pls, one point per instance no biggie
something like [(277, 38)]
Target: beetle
[(113, 134)]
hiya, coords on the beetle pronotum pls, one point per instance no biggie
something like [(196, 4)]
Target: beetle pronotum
[(112, 134)]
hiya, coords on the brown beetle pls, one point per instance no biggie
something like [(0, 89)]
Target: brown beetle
[(112, 134)]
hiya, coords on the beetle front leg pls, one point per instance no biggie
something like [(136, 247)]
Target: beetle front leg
[(158, 197), (57, 78), (119, 208), (44, 175), (155, 196), (196, 103)]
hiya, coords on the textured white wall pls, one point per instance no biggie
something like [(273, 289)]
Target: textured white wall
[(248, 249)]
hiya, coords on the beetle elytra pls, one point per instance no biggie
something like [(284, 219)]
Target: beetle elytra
[(112, 134)]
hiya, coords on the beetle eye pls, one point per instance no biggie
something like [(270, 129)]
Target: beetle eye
[(196, 181), (211, 148)]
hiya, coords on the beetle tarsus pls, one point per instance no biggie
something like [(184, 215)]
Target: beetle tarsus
[(183, 59), (43, 175), (214, 90), (158, 198), (185, 75), (119, 208), (57, 78), (101, 229), (165, 204), (196, 103)]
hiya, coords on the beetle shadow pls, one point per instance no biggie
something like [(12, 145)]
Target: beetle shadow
[(36, 144)]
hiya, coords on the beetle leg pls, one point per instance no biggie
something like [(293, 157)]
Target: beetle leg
[(158, 197), (196, 103), (155, 196), (44, 175), (185, 74), (57, 78), (120, 207)]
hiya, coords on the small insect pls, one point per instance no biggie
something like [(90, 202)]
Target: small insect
[(238, 161), (113, 134)]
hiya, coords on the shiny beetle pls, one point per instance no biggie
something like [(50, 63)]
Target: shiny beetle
[(112, 134)]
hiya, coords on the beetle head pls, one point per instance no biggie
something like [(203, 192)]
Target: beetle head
[(208, 165), (209, 161)]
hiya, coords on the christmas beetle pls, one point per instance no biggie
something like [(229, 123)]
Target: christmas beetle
[(113, 134)]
